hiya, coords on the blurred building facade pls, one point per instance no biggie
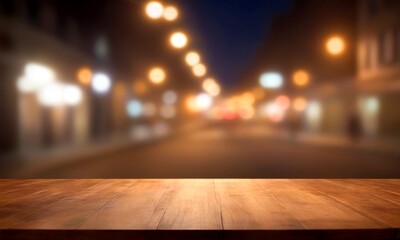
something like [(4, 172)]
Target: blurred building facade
[(378, 63), (296, 41), (66, 36), (34, 32)]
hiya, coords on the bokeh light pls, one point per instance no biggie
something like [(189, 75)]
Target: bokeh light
[(335, 45), (134, 109), (157, 75), (299, 104), (192, 58), (199, 70), (171, 13), (190, 103), (203, 101), (274, 112), (301, 78), (51, 95), (170, 97), (283, 102), (248, 98), (35, 77), (178, 40), (72, 95), (154, 10), (271, 80), (84, 76), (101, 83), (211, 87)]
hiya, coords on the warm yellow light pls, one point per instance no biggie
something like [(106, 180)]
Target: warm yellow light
[(85, 75), (178, 40), (171, 13), (191, 103), (335, 45), (140, 88), (157, 75), (154, 10), (192, 58), (211, 87), (199, 70), (247, 112), (248, 98), (300, 104), (301, 78)]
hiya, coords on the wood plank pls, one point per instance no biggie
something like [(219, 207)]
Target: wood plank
[(316, 211), (70, 212), (194, 206), (139, 207), (31, 196), (372, 187), (245, 209), (246, 206), (364, 202)]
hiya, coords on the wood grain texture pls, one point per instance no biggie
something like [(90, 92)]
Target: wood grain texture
[(194, 205), (244, 205), (316, 211), (200, 208)]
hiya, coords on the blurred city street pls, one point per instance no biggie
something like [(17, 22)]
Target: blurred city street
[(270, 117), (231, 150)]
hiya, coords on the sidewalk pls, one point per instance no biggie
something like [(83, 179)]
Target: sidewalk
[(20, 163), (385, 146)]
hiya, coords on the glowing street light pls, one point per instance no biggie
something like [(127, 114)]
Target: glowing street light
[(154, 10), (84, 75), (203, 101), (335, 46), (190, 103), (211, 87), (178, 40), (101, 83), (192, 58), (271, 80), (171, 13), (157, 75), (199, 70), (301, 78)]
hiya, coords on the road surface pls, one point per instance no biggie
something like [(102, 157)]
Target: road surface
[(231, 151)]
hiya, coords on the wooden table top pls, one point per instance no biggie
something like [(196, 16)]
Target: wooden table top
[(242, 208)]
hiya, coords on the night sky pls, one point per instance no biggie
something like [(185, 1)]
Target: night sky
[(228, 32)]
